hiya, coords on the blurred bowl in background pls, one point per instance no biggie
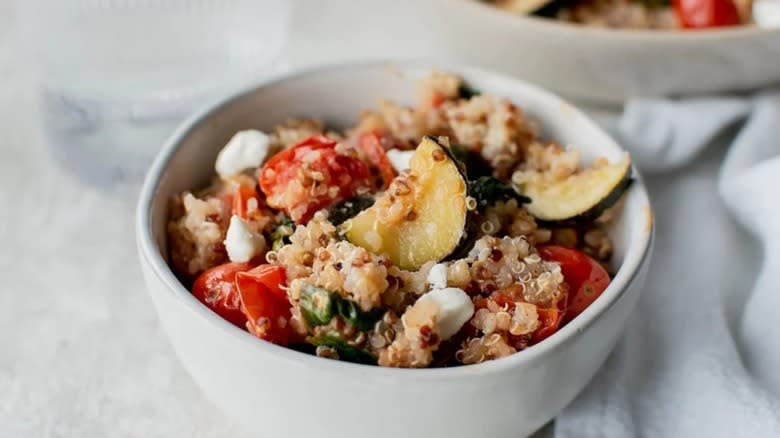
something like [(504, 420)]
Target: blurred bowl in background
[(606, 65)]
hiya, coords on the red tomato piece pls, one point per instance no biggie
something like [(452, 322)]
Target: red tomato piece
[(311, 176), (586, 278), (267, 311), (271, 276), (241, 196), (508, 296), (216, 289), (226, 198), (699, 14), (549, 319), (371, 144), (437, 99), (549, 322)]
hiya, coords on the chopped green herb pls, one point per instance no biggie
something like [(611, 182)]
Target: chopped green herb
[(352, 314), (282, 232), (467, 92), (474, 165), (345, 351), (344, 210), (318, 306), (487, 190)]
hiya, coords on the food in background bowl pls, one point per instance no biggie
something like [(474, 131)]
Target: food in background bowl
[(443, 234), (638, 14)]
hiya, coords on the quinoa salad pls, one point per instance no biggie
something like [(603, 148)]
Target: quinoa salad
[(442, 234), (637, 14)]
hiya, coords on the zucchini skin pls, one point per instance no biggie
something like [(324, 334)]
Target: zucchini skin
[(488, 190), (472, 226), (581, 197), (470, 235), (484, 188), (597, 210), (551, 9), (278, 238), (451, 155), (475, 166), (349, 208)]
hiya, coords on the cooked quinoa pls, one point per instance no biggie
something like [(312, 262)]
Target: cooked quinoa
[(289, 237)]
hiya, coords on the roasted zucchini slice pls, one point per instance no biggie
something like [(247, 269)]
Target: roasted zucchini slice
[(422, 216), (581, 197)]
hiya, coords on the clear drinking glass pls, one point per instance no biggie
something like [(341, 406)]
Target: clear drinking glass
[(116, 75)]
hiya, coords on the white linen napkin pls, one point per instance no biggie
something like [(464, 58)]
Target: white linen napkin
[(701, 355)]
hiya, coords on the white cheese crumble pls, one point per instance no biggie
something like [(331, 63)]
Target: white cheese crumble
[(766, 13), (455, 309), (399, 159), (247, 149), (242, 244), (437, 276)]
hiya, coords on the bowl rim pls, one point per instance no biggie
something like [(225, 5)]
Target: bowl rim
[(540, 23), (150, 256)]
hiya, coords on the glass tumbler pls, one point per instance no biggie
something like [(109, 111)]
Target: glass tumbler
[(115, 76)]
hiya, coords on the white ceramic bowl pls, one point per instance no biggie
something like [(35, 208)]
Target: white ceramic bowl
[(278, 392), (606, 65)]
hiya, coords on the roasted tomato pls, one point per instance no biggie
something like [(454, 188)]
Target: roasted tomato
[(549, 322), (585, 277), (437, 99), (264, 303), (371, 144), (550, 319), (311, 176), (699, 14), (216, 289), (243, 196)]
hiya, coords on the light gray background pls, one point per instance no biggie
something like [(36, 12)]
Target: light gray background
[(81, 352)]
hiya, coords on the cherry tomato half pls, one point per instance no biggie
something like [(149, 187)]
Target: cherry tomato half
[(311, 176), (271, 276), (550, 319), (699, 14), (585, 277), (264, 303), (216, 289), (371, 144)]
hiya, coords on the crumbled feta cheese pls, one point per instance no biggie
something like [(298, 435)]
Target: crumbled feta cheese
[(399, 159), (455, 309), (242, 244), (437, 276), (247, 149), (766, 13)]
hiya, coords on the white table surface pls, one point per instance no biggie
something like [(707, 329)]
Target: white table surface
[(81, 351)]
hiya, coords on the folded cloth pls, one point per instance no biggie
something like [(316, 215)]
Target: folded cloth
[(701, 356)]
